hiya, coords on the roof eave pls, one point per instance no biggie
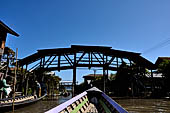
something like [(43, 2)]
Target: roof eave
[(8, 30)]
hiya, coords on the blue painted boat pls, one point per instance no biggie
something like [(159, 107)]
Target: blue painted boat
[(21, 101), (90, 101)]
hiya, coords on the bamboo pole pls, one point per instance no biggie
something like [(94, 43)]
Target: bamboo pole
[(14, 83)]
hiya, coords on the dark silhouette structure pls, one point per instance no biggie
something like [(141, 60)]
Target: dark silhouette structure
[(84, 56), (6, 55), (4, 30)]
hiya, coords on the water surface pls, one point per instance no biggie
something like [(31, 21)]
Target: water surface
[(41, 106), (145, 105), (131, 105)]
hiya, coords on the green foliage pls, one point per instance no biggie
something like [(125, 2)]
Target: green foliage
[(98, 78), (164, 68), (52, 81), (112, 76), (30, 91)]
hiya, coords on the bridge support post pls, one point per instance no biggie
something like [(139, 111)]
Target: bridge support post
[(74, 81), (153, 84), (74, 76), (26, 81), (104, 84), (105, 78)]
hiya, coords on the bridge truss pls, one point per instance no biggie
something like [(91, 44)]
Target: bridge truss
[(84, 56)]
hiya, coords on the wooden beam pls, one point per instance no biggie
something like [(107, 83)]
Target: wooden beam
[(89, 57), (47, 60), (59, 58), (101, 56), (81, 57), (43, 61), (74, 75), (104, 88), (36, 65), (117, 62), (96, 58), (57, 68), (67, 58), (51, 61)]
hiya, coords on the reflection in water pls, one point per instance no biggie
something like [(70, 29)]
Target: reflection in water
[(42, 106), (131, 105), (145, 105)]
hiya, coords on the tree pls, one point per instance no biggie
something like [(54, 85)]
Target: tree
[(122, 80), (164, 68), (52, 82)]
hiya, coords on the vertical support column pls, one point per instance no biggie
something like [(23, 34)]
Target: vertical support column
[(117, 62), (152, 80), (144, 84), (107, 72), (43, 61), (74, 75), (26, 83), (26, 88), (90, 59), (2, 43), (74, 80), (104, 74), (22, 79), (130, 63), (104, 87), (107, 66), (6, 71), (107, 75), (137, 88), (94, 74), (59, 57), (132, 89), (42, 65)]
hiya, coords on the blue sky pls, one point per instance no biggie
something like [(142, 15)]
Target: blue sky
[(132, 25)]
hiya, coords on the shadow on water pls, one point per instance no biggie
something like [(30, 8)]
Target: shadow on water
[(145, 105), (42, 106)]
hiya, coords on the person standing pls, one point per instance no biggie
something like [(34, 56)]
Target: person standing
[(38, 89), (4, 87)]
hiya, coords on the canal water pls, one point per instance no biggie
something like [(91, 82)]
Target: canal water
[(42, 106), (131, 105), (145, 105)]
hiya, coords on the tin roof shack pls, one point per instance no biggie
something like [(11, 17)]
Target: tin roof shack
[(161, 59), (6, 52), (158, 85), (92, 80), (4, 30)]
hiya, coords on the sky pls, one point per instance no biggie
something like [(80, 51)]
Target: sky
[(141, 26)]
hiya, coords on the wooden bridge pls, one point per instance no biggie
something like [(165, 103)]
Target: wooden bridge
[(84, 56)]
